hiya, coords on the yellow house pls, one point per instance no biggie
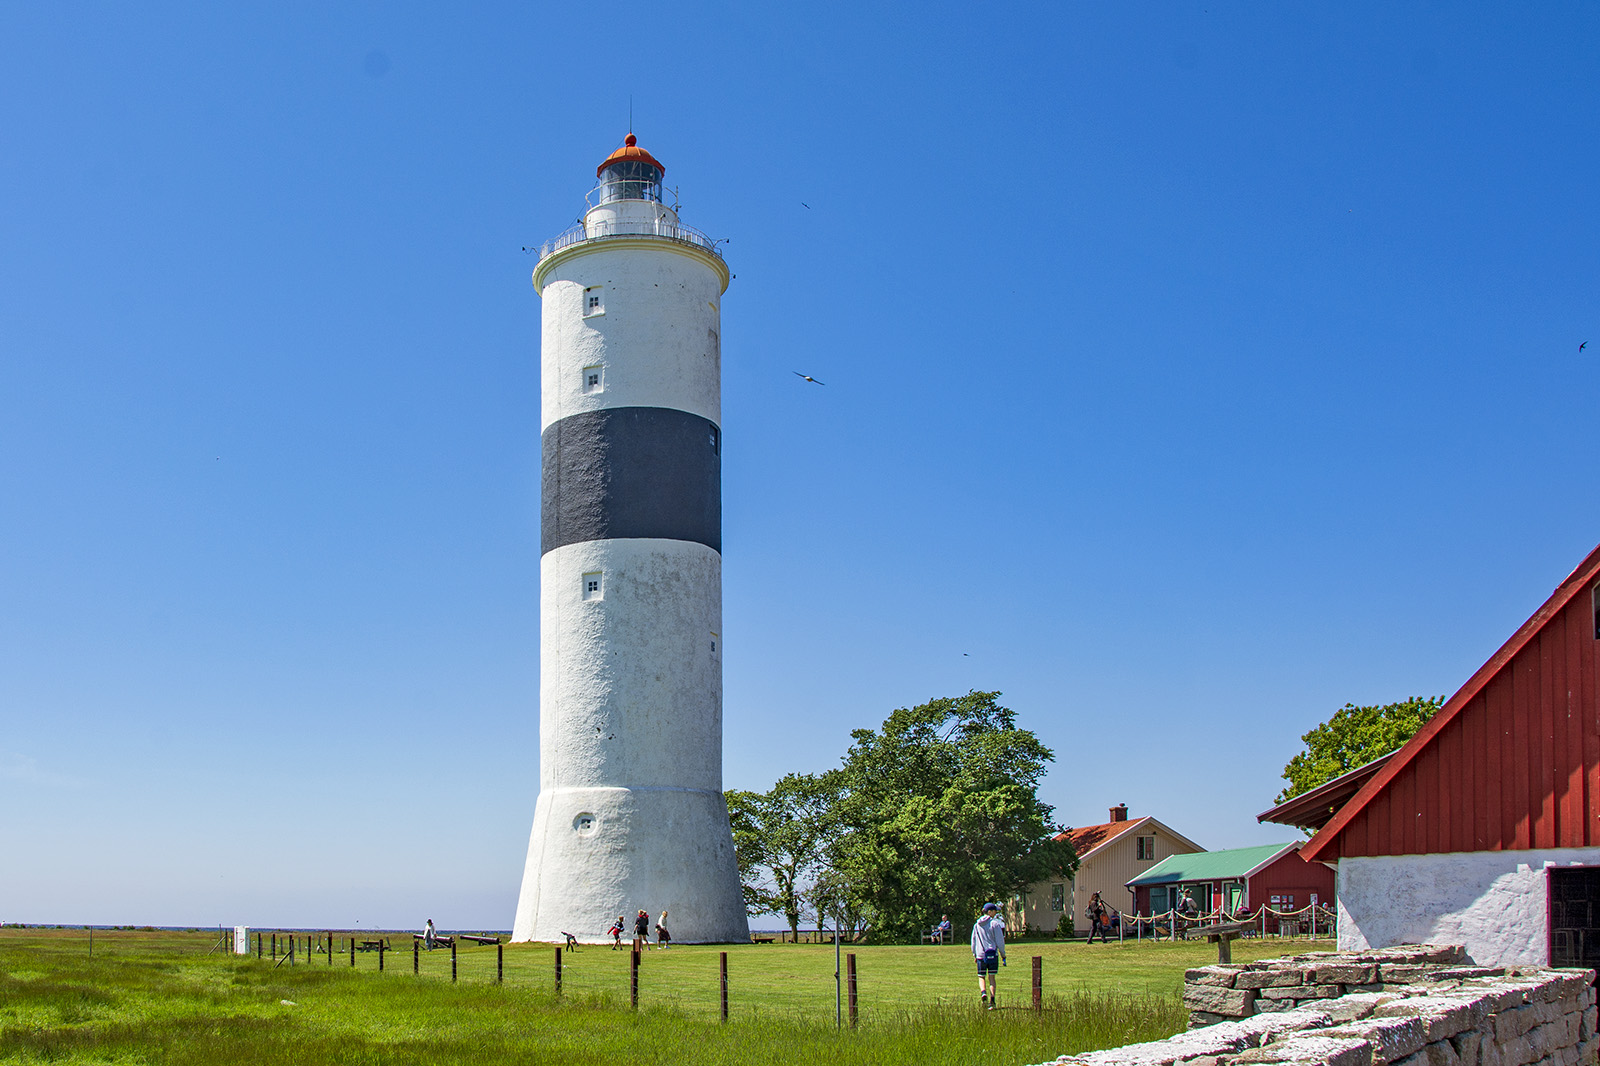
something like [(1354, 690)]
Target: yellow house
[(1109, 856)]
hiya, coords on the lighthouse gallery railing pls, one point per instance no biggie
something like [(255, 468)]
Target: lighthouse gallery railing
[(600, 231)]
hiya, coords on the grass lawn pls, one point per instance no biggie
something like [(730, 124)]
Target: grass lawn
[(159, 998)]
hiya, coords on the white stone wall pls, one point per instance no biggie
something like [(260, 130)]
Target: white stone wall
[(1492, 902)]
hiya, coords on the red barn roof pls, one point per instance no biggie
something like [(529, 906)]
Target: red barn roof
[(1511, 762)]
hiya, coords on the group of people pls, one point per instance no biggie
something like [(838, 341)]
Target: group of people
[(641, 931)]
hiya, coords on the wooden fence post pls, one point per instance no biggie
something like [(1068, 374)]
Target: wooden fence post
[(274, 947), (499, 962), (416, 958), (724, 986), (258, 945), (633, 978), (558, 971), (850, 970), (452, 959), (352, 952), (380, 956), (1038, 982)]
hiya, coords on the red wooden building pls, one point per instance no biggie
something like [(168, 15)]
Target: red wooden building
[(1484, 827)]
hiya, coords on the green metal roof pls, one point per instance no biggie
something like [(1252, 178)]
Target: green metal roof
[(1229, 865)]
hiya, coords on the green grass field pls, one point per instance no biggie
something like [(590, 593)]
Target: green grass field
[(160, 998)]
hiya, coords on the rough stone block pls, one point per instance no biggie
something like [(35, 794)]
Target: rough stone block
[(1461, 973), (1467, 1045), (1354, 1008), (1586, 1026), (1441, 1053), (1205, 1017), (1392, 1039), (1274, 978), (1400, 972), (1511, 1024), (1315, 1049), (1222, 976), (1215, 999), (1300, 992), (1343, 974)]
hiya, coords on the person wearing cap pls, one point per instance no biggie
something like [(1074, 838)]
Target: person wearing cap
[(989, 949)]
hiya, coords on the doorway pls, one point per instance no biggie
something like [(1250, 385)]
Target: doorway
[(1574, 894)]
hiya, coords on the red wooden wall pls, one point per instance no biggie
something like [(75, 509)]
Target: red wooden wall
[(1293, 874), (1516, 766)]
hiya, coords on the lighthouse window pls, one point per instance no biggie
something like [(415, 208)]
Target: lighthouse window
[(593, 586), (593, 304), (713, 438), (593, 379)]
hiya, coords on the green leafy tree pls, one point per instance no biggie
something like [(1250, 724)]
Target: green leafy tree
[(778, 839), (1352, 737), (938, 812)]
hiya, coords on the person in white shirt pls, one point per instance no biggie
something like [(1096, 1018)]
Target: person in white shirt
[(989, 949)]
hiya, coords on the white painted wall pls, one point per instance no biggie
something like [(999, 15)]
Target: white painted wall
[(1493, 902), (659, 338)]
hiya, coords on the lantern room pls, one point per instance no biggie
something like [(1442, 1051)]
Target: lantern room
[(629, 173)]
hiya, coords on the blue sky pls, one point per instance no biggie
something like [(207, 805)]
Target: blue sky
[(1192, 369)]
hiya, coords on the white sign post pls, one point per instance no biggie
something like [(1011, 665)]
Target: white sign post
[(241, 940)]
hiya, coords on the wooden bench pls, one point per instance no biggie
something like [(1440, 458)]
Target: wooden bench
[(1222, 934), (374, 945), (761, 939)]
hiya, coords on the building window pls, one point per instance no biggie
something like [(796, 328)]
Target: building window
[(1146, 847), (714, 439), (593, 302), (594, 379), (1058, 898), (593, 586)]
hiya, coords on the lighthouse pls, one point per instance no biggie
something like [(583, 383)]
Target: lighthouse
[(630, 814)]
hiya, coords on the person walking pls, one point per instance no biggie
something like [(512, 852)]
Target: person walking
[(641, 931), (1096, 913), (428, 935), (989, 950), (663, 938), (615, 932)]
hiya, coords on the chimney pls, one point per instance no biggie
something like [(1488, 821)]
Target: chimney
[(1119, 813)]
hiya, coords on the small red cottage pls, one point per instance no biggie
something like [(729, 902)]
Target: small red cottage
[(1484, 829)]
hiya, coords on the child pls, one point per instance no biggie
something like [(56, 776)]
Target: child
[(615, 932)]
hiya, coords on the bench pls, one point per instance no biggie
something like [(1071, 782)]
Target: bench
[(1222, 934), (761, 939), (374, 945)]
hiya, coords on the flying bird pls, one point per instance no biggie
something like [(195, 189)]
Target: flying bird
[(805, 205), (809, 378), (1582, 346)]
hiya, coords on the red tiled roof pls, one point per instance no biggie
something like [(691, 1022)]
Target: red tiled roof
[(1086, 838)]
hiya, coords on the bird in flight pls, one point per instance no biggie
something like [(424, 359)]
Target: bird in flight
[(1582, 346), (809, 378), (805, 205)]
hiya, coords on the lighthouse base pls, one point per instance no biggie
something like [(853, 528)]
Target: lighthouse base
[(596, 853)]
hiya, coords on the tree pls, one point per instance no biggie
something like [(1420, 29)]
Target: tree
[(1352, 737), (939, 812), (778, 841)]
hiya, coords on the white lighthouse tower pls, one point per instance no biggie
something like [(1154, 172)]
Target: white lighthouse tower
[(630, 814)]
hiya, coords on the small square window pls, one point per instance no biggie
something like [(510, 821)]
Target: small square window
[(713, 438), (593, 301), (1146, 847), (594, 379), (593, 586)]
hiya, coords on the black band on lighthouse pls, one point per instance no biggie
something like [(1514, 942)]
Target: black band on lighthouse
[(631, 472)]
